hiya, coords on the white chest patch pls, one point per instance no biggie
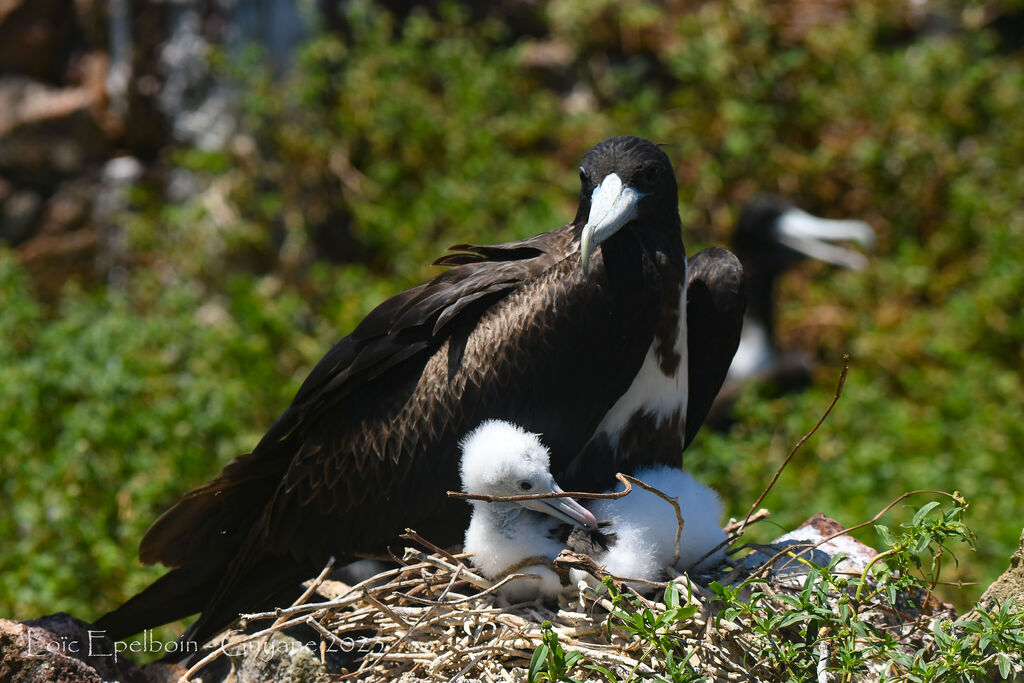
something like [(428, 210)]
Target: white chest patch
[(652, 391), (753, 354)]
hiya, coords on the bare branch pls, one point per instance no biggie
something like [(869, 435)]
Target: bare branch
[(801, 442), (582, 495)]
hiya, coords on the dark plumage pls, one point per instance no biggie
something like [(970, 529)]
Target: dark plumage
[(716, 301), (591, 356), (593, 542)]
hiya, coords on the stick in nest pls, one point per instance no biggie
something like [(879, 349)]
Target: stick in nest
[(673, 501), (582, 495), (411, 535)]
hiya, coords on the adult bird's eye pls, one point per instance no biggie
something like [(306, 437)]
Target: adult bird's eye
[(650, 175), (525, 485)]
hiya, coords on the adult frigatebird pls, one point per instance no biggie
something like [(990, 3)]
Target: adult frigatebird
[(584, 334), (772, 236)]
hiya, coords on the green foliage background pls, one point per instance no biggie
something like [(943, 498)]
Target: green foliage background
[(411, 134)]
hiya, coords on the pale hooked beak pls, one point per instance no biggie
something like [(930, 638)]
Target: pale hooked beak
[(565, 509), (611, 206), (810, 236)]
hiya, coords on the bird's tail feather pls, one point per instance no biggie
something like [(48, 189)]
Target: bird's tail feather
[(177, 594), (215, 517)]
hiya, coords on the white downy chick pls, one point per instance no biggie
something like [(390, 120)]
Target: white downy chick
[(645, 525), (500, 459)]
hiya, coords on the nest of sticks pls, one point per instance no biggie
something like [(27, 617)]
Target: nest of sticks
[(435, 618)]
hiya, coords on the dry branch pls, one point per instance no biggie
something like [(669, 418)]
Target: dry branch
[(582, 495)]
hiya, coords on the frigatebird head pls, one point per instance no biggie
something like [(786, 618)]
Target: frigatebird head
[(500, 459), (624, 181), (773, 234)]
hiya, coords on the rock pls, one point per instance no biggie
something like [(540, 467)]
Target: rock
[(61, 648), (1009, 586), (280, 658)]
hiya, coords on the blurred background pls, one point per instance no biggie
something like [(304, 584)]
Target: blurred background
[(198, 197)]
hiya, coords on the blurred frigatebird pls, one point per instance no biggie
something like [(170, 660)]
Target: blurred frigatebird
[(771, 236)]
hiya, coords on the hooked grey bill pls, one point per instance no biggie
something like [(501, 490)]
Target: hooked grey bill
[(810, 236), (612, 205), (565, 509)]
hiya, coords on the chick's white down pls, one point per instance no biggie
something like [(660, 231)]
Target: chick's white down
[(498, 460), (645, 526)]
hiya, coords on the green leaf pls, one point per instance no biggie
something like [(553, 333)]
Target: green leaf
[(537, 662), (925, 509), (612, 678), (684, 613), (1004, 665), (671, 599)]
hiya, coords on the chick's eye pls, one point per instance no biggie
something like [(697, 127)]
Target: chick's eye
[(525, 485)]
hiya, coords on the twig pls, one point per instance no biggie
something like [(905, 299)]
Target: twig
[(310, 621), (732, 527), (673, 501), (280, 623), (733, 531), (531, 561), (354, 594), (470, 577), (886, 509), (288, 612), (487, 591), (823, 655), (582, 495), (385, 609), (310, 590), (411, 535), (187, 676), (801, 442), (842, 532), (412, 628), (473, 662)]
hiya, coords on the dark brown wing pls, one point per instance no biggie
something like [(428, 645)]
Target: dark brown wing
[(715, 302), (382, 339), (404, 329)]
